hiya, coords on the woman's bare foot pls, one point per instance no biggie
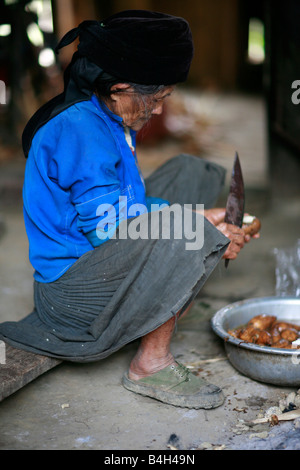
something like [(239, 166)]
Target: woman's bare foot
[(153, 353), (140, 368)]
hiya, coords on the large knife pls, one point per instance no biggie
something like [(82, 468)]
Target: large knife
[(235, 205)]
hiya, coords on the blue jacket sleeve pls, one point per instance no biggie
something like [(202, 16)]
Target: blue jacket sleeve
[(85, 164)]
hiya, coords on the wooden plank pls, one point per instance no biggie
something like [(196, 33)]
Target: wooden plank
[(20, 368)]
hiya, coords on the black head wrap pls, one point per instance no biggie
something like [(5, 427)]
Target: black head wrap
[(137, 46)]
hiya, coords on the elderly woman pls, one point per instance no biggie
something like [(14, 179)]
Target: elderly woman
[(96, 290)]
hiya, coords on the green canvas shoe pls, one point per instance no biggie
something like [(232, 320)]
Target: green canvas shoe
[(176, 385)]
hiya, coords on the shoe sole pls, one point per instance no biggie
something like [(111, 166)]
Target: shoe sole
[(198, 401)]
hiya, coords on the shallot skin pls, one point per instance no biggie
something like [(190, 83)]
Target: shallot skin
[(255, 335), (262, 322), (282, 325), (275, 333), (289, 334), (266, 330), (282, 343)]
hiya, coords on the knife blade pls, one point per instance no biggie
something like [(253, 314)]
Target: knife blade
[(235, 204)]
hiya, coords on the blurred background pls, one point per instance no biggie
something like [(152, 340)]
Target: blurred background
[(238, 95)]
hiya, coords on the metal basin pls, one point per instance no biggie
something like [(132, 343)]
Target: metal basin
[(263, 363)]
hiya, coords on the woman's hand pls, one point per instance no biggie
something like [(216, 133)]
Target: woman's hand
[(236, 235), (216, 215)]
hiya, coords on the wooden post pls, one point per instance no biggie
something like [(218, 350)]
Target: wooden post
[(64, 19)]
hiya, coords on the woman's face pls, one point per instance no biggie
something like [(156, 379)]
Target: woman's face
[(136, 109)]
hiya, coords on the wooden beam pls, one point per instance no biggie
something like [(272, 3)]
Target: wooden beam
[(20, 368)]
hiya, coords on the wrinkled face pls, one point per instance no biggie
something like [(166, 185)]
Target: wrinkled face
[(134, 108)]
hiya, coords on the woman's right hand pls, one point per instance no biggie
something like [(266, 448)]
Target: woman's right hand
[(236, 235)]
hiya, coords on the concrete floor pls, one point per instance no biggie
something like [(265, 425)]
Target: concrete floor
[(84, 406)]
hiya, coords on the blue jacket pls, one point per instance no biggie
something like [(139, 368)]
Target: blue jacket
[(80, 176)]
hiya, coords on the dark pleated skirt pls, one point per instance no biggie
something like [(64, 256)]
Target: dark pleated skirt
[(126, 288)]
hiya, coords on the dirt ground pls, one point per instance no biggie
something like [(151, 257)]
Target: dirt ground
[(84, 406)]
